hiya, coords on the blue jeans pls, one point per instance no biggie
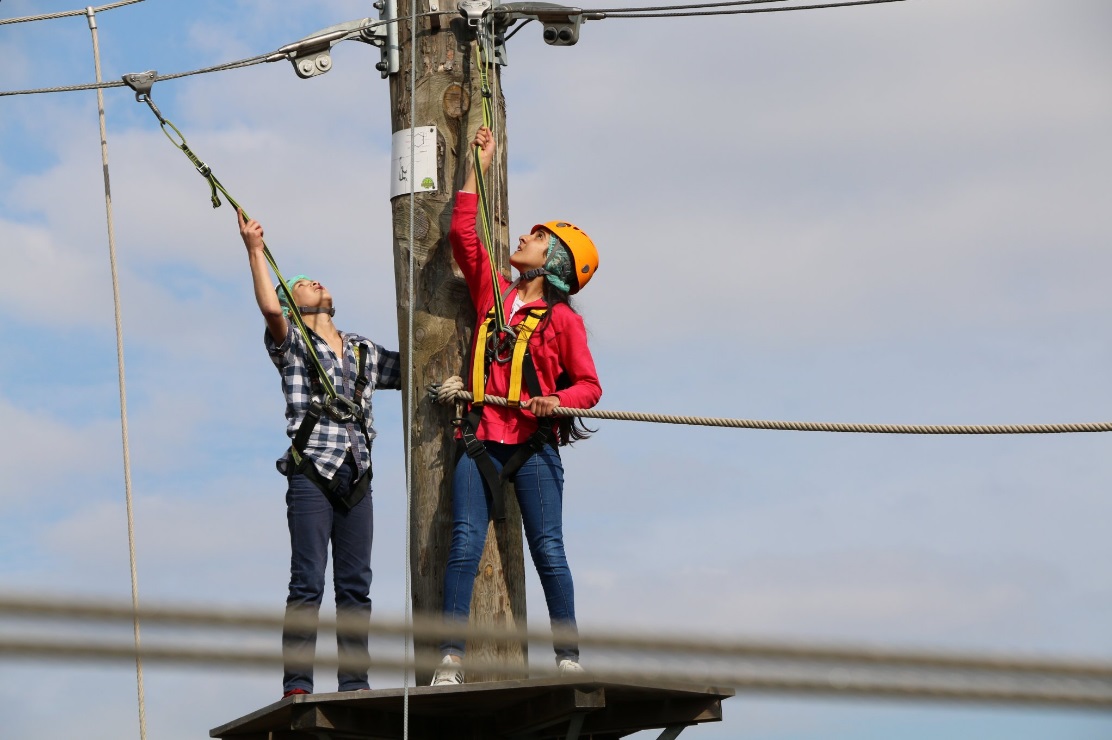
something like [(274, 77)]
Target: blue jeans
[(313, 523), (540, 493)]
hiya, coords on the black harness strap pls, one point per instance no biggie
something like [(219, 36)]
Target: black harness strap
[(305, 466), (479, 453)]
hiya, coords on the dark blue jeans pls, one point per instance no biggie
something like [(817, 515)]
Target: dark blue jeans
[(313, 523), (540, 493)]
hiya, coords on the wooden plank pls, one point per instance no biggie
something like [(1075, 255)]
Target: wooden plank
[(557, 706), (629, 717), (535, 708)]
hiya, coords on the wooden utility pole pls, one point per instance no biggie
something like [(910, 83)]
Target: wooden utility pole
[(447, 81)]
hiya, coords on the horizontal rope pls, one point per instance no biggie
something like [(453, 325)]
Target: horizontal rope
[(66, 13), (453, 390), (431, 628), (1070, 693)]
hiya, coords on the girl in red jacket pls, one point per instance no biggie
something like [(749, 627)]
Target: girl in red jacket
[(554, 260)]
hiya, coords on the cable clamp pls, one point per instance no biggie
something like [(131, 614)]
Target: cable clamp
[(473, 10), (312, 55), (141, 83)]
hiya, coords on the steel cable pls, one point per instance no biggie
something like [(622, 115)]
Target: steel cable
[(118, 311), (681, 7), (66, 13), (615, 14), (411, 366)]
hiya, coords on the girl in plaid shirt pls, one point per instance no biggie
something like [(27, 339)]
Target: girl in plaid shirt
[(328, 474)]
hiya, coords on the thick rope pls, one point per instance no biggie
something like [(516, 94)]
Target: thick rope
[(123, 383), (192, 618), (453, 390), (66, 13), (855, 682)]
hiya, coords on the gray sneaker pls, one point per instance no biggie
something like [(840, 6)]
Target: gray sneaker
[(569, 668), (449, 672)]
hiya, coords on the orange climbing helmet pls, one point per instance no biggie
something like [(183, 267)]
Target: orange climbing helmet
[(584, 255)]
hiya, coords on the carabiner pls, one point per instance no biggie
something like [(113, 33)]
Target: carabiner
[(343, 410), (500, 345)]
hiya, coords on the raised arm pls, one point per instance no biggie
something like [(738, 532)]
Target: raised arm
[(252, 233), (467, 248), (484, 139)]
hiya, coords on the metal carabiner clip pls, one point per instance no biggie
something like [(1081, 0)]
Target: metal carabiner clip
[(500, 345), (343, 410)]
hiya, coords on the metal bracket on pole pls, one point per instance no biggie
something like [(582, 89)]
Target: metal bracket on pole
[(473, 10), (312, 55), (388, 15), (561, 23)]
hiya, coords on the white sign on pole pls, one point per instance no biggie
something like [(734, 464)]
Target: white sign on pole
[(418, 175)]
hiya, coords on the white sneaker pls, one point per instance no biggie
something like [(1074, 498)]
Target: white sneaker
[(449, 672), (569, 668)]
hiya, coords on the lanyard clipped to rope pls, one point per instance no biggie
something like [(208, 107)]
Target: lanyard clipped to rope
[(501, 340), (340, 408)]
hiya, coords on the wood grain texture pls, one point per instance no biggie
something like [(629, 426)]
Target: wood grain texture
[(446, 84)]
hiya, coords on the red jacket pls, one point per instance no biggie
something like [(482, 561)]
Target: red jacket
[(559, 346)]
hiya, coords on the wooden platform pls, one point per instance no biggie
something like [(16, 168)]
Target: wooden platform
[(523, 710)]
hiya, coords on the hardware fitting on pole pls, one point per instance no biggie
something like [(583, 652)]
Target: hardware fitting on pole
[(312, 55), (561, 23)]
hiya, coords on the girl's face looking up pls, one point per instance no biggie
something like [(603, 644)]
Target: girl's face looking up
[(532, 249)]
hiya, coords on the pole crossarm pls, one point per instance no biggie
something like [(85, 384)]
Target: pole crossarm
[(453, 390)]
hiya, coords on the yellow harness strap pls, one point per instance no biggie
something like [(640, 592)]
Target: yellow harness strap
[(480, 364)]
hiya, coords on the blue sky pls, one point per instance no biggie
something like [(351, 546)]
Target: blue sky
[(894, 213)]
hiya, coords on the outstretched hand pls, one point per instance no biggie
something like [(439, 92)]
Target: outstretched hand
[(484, 139), (251, 231)]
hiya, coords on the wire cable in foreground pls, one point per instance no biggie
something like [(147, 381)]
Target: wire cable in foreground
[(617, 13), (66, 13)]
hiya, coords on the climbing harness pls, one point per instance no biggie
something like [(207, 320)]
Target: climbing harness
[(353, 413), (522, 370), (336, 407)]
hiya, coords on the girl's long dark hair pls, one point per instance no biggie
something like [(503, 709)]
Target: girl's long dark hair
[(571, 429)]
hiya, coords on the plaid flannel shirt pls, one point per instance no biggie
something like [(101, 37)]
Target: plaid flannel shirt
[(330, 440)]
